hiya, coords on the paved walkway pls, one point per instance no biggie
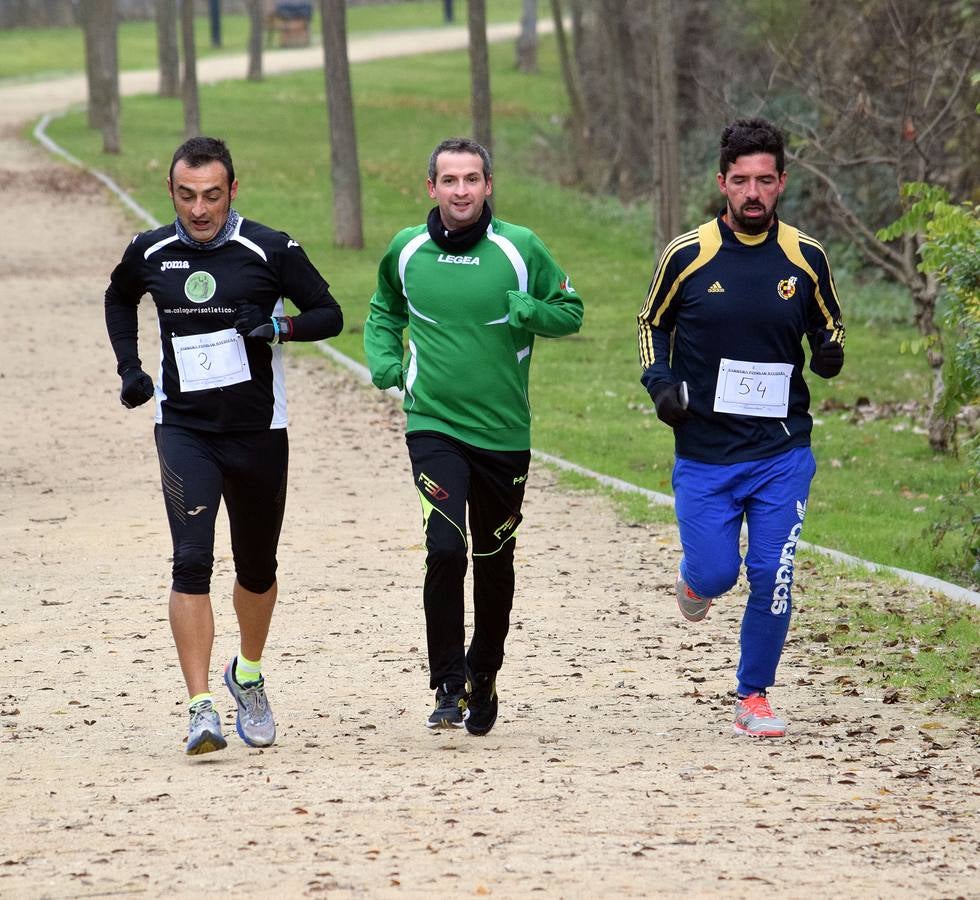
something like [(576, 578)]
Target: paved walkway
[(24, 100)]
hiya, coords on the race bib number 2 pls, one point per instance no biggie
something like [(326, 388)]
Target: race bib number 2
[(211, 360), (753, 389)]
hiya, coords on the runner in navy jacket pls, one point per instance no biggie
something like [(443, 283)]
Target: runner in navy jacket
[(720, 338)]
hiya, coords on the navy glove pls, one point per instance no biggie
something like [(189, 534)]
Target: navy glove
[(827, 359), (671, 403), (137, 388), (248, 317)]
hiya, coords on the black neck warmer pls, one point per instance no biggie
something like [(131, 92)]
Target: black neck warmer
[(463, 238)]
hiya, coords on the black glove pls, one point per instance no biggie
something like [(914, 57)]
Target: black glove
[(137, 388), (275, 330), (827, 359), (671, 403), (249, 317)]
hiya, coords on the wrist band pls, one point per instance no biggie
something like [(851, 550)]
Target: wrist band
[(275, 329)]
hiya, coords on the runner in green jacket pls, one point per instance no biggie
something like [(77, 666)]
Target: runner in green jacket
[(472, 292)]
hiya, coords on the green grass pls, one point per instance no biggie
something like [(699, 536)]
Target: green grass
[(879, 490), (916, 651), (48, 52)]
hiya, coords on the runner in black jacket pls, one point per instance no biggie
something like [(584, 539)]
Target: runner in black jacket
[(219, 283)]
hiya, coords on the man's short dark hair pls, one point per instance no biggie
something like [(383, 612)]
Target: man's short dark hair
[(460, 145), (747, 136), (199, 151)]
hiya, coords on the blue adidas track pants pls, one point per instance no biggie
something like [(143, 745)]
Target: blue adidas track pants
[(770, 496)]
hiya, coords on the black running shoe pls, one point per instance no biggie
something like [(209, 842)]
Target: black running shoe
[(482, 690), (450, 711)]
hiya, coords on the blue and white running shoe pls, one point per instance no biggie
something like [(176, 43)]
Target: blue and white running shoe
[(254, 722), (204, 734)]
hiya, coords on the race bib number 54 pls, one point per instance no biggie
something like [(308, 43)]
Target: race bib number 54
[(211, 360), (753, 389)]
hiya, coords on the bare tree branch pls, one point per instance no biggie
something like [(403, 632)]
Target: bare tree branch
[(883, 253), (965, 70)]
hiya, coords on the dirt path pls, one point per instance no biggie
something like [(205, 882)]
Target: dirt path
[(611, 772)]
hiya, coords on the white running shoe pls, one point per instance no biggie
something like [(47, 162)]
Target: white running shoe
[(254, 723), (204, 734)]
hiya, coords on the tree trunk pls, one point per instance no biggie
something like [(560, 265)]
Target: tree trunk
[(666, 155), (577, 15), (344, 171), (100, 23), (695, 31), (168, 53), (480, 75), (527, 42), (941, 428), (89, 33), (564, 60), (256, 19), (110, 73), (618, 156), (192, 102), (214, 17), (576, 114), (925, 291)]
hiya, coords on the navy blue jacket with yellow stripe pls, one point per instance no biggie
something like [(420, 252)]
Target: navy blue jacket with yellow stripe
[(716, 294)]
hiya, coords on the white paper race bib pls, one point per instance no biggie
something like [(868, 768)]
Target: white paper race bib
[(753, 389), (211, 360)]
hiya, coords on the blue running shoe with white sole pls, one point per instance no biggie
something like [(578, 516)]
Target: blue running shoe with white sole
[(254, 722), (450, 710), (204, 734)]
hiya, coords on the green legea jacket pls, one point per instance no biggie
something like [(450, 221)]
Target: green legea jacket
[(471, 322)]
